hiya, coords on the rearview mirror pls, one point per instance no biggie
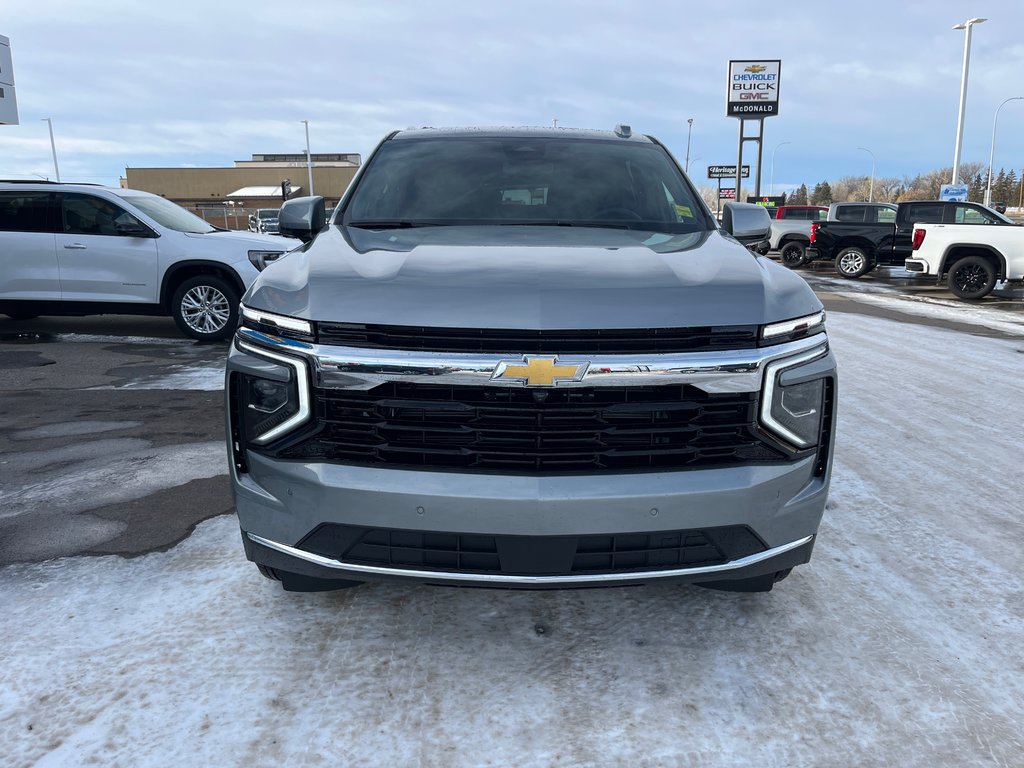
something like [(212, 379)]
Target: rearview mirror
[(302, 217)]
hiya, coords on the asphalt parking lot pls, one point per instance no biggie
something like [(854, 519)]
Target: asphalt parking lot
[(137, 634)]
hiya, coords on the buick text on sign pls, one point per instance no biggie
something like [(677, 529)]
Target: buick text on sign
[(753, 88)]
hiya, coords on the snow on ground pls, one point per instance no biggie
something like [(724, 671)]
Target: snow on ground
[(898, 645)]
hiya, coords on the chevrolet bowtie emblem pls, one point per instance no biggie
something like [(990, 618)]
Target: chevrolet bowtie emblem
[(755, 68), (538, 371)]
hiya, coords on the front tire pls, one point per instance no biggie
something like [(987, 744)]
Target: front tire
[(852, 262), (205, 308), (972, 277), (792, 254)]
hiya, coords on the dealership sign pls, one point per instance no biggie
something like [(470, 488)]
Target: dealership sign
[(954, 193), (753, 88), (726, 171), (727, 193)]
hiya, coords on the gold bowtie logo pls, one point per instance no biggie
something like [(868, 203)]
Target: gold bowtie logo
[(539, 371), (755, 68)]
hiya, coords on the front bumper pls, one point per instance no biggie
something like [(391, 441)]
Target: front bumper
[(282, 504), (293, 560)]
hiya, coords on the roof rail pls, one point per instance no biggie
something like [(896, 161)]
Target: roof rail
[(48, 181)]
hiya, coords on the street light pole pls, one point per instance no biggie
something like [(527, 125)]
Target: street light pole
[(966, 26), (689, 130), (309, 158), (771, 178), (871, 185), (992, 153), (53, 147)]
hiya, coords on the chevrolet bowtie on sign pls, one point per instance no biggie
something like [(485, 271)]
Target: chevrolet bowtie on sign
[(538, 371)]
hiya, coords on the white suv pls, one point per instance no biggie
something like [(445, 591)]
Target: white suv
[(79, 249)]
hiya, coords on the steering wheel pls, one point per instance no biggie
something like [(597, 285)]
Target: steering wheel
[(617, 212)]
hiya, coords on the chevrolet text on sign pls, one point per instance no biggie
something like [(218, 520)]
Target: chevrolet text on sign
[(753, 88)]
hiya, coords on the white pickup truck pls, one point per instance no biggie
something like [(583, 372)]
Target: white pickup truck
[(971, 258)]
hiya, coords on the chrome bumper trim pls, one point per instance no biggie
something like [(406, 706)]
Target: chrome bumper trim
[(357, 368), (568, 580)]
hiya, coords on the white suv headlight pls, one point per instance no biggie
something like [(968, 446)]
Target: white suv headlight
[(260, 259)]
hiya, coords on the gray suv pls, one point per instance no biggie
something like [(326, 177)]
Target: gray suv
[(528, 358)]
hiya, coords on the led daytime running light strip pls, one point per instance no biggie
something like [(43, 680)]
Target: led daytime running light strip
[(281, 321), (792, 326)]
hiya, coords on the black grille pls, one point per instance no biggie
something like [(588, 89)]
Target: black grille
[(534, 431), (532, 555), (530, 342)]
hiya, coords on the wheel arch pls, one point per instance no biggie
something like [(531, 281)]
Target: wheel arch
[(794, 237), (181, 271), (957, 251), (870, 249)]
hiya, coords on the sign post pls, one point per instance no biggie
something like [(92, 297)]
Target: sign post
[(8, 100), (752, 95)]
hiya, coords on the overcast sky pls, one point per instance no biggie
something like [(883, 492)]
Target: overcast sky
[(152, 83)]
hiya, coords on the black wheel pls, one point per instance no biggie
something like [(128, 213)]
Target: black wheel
[(852, 262), (972, 277), (792, 254), (206, 308)]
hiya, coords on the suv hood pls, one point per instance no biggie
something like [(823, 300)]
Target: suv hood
[(530, 278), (248, 239)]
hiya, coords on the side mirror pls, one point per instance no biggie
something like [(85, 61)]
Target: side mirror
[(133, 229), (748, 223), (302, 217)]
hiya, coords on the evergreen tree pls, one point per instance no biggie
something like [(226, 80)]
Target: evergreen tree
[(1012, 189), (1000, 188), (799, 196), (822, 194), (976, 193)]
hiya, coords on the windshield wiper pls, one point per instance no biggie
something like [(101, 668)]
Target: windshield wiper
[(396, 224)]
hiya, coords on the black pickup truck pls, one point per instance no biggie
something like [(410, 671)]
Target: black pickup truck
[(858, 247)]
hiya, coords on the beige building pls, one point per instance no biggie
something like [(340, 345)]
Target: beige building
[(226, 196)]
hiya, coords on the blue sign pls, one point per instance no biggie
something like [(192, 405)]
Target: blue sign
[(954, 193)]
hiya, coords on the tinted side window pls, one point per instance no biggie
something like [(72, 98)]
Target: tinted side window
[(963, 214), (88, 215), (925, 213), (27, 212), (850, 213), (885, 215)]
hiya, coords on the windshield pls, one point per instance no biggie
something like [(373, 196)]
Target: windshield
[(167, 214), (525, 180)]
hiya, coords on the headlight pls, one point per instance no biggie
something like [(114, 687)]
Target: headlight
[(270, 407), (793, 412), (260, 259)]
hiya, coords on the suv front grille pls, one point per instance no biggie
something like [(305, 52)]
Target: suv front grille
[(621, 341), (534, 431), (531, 555)]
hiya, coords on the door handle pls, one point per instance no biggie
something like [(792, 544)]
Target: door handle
[(74, 246)]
